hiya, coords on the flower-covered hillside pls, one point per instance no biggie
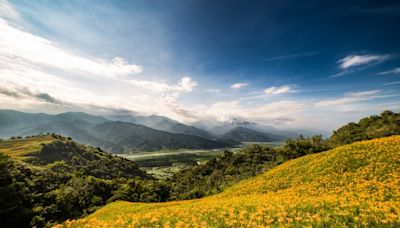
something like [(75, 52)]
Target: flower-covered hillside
[(356, 184)]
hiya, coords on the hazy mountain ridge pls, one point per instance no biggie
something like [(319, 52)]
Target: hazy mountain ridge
[(162, 123), (145, 133), (219, 129), (149, 139), (243, 134), (115, 136)]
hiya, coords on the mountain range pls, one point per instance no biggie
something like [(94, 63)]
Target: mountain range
[(129, 133)]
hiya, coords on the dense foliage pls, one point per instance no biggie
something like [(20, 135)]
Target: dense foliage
[(67, 180), (87, 160), (356, 185), (218, 173), (294, 148), (376, 126)]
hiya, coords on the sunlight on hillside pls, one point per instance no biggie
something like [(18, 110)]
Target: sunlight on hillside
[(356, 184), (24, 148)]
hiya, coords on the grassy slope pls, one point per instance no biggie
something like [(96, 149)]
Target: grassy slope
[(24, 148), (357, 184)]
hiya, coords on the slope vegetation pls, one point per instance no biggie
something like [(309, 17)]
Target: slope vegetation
[(352, 185)]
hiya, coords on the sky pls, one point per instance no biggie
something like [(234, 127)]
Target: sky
[(290, 64)]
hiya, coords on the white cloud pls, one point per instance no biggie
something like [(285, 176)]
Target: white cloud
[(356, 60), (186, 84), (348, 98), (238, 85), (394, 71), (391, 83), (54, 74), (265, 113), (278, 90), (18, 45)]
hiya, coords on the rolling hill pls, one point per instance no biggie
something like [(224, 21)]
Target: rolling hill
[(47, 149), (351, 185), (45, 180)]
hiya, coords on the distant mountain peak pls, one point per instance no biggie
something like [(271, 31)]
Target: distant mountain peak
[(235, 121)]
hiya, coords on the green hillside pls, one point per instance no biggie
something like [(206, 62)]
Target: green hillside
[(43, 150), (47, 179), (352, 185)]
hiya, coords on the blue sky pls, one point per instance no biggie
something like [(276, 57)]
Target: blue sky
[(286, 63)]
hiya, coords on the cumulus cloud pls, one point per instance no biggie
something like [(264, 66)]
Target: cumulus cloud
[(186, 84), (238, 85), (278, 90), (357, 60)]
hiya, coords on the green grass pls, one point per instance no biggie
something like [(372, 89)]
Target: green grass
[(24, 148)]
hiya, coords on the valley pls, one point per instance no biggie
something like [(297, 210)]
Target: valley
[(163, 164)]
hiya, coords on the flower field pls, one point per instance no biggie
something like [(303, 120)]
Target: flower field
[(352, 185)]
